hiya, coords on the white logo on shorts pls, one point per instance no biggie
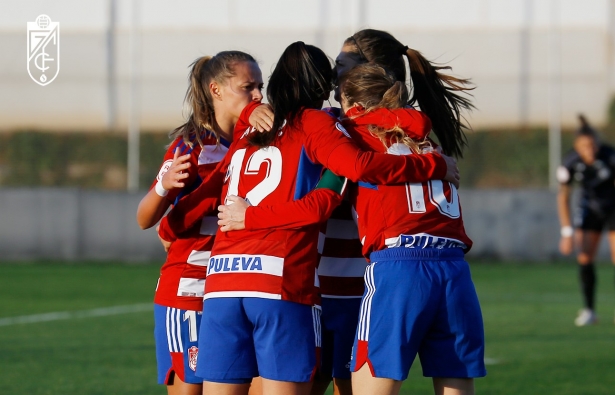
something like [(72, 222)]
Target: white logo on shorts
[(193, 354)]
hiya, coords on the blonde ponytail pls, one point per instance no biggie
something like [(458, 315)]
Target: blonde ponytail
[(202, 116)]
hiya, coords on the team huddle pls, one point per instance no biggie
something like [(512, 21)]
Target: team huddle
[(309, 245)]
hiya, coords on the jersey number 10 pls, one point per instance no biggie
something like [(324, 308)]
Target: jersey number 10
[(416, 198)]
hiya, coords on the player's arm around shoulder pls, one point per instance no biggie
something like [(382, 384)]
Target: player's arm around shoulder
[(199, 203), (315, 207)]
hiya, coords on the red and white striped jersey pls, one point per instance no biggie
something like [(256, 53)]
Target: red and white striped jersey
[(182, 277), (414, 215), (342, 265), (281, 263)]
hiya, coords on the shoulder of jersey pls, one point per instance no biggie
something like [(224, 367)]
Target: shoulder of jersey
[(608, 149), (333, 111), (570, 158)]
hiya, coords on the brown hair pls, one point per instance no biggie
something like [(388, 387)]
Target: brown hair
[(373, 87), (435, 93), (203, 71)]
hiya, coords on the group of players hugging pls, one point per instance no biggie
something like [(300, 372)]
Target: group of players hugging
[(309, 245)]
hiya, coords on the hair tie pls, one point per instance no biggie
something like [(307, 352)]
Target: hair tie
[(405, 49)]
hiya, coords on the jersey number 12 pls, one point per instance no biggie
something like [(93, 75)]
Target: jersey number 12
[(272, 157)]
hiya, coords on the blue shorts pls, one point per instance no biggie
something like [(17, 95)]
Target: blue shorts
[(419, 301), (339, 326), (242, 338), (176, 334)]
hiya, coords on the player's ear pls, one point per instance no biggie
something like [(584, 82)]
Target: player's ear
[(215, 91)]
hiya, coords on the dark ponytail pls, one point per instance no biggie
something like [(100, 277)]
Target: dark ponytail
[(301, 79), (436, 94), (586, 129)]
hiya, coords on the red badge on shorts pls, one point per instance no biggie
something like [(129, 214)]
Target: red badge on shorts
[(193, 353)]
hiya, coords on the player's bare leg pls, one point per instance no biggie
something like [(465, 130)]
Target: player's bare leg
[(452, 386), (588, 241), (181, 388), (274, 387), (364, 384), (256, 386), (320, 385), (211, 388), (342, 386), (611, 238)]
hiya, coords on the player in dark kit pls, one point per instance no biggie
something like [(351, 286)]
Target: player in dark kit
[(592, 165)]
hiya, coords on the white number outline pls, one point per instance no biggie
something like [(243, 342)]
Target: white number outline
[(272, 157), (416, 199), (190, 316)]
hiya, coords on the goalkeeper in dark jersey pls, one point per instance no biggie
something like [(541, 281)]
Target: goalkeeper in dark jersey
[(591, 165)]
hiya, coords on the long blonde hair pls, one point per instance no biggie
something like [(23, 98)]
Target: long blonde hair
[(203, 71), (372, 87)]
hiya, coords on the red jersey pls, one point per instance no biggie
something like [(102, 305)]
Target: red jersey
[(415, 215), (281, 263), (182, 277)]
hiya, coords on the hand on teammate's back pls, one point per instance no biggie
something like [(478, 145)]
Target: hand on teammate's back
[(232, 216), (452, 171)]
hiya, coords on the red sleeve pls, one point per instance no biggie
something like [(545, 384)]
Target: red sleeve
[(328, 143), (193, 207), (243, 123), (314, 207), (165, 232), (419, 125), (206, 198)]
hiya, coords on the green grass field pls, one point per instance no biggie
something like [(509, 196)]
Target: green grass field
[(532, 345)]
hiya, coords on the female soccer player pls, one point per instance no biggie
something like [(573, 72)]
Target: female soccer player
[(220, 87), (591, 164), (435, 93), (258, 315), (419, 295)]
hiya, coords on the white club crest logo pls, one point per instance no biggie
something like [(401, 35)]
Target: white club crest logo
[(43, 50)]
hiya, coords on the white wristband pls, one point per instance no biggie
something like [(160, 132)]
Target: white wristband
[(160, 191), (566, 231)]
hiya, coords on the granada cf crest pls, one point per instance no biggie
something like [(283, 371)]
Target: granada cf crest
[(43, 50), (193, 353)]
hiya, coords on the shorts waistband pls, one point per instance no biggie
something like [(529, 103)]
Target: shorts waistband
[(434, 254)]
